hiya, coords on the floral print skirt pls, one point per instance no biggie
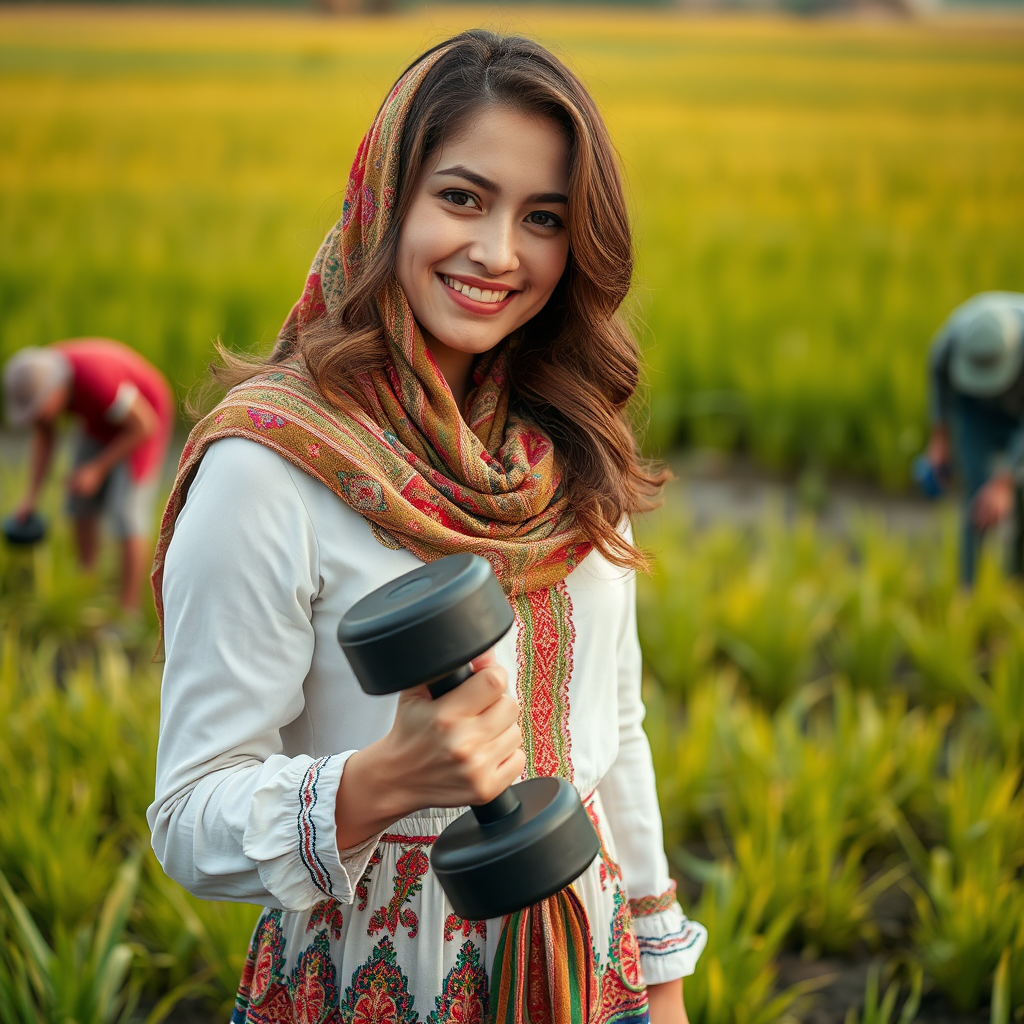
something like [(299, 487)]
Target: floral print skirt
[(398, 955)]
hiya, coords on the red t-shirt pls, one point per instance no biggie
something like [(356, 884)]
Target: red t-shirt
[(106, 376)]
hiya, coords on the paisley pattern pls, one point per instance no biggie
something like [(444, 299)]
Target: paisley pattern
[(262, 994), (464, 999), (313, 985), (379, 993)]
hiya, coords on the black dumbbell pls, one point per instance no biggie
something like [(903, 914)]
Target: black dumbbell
[(27, 531), (426, 627)]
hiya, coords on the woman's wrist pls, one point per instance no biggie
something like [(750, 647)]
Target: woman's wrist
[(370, 796)]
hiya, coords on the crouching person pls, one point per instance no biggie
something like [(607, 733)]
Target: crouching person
[(125, 410)]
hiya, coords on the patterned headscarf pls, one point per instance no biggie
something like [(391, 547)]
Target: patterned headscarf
[(425, 478)]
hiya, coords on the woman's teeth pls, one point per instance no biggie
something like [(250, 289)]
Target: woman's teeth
[(476, 294)]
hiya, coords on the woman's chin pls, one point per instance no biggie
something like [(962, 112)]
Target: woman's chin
[(467, 344)]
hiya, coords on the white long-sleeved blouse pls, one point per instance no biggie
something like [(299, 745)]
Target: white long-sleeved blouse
[(260, 711)]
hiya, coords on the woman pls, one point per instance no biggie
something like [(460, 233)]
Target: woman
[(456, 373)]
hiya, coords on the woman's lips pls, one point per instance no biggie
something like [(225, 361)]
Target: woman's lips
[(475, 305)]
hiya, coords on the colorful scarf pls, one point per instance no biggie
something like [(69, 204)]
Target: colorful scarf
[(427, 480)]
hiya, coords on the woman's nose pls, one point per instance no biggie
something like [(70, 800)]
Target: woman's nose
[(494, 247)]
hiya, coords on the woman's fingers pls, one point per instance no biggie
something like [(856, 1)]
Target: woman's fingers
[(501, 763), (465, 746), (499, 716), (476, 694), (484, 660)]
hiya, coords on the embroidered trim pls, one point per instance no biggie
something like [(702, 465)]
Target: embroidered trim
[(647, 905), (453, 923), (307, 828), (397, 837), (544, 656), (674, 942), (408, 881)]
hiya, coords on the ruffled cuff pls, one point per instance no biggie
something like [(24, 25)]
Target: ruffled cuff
[(670, 943), (291, 835)]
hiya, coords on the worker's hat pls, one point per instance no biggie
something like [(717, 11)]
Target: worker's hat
[(30, 377), (988, 352)]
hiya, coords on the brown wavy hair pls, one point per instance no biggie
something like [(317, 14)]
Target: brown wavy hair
[(575, 366)]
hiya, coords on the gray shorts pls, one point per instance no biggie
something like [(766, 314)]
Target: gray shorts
[(127, 504)]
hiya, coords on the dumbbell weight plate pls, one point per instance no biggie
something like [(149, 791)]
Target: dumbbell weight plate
[(24, 531), (488, 871), (431, 622)]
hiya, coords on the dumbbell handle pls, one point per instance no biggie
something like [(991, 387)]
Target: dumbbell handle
[(504, 803)]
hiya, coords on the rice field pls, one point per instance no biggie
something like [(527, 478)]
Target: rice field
[(811, 199), (837, 727)]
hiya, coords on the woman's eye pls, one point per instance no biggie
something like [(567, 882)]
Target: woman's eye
[(457, 197), (543, 219)]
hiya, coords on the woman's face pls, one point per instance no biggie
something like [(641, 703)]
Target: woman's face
[(484, 241)]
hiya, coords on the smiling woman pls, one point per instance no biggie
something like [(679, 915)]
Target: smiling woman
[(456, 373), (484, 236)]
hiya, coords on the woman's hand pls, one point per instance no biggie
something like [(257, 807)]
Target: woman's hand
[(463, 748), (666, 1003)]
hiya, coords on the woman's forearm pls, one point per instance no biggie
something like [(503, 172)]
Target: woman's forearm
[(369, 796)]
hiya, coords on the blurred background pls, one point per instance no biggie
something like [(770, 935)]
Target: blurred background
[(837, 724)]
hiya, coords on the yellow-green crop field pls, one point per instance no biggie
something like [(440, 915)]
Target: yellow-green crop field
[(811, 198)]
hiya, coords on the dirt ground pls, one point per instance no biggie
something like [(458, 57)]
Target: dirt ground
[(715, 489)]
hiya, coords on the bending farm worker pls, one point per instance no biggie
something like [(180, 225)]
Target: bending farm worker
[(125, 411), (976, 403)]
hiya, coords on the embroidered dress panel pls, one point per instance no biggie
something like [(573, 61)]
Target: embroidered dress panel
[(349, 962)]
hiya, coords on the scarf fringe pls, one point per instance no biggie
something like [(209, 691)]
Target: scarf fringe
[(544, 965)]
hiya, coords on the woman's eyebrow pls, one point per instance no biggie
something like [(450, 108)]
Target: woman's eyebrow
[(480, 181)]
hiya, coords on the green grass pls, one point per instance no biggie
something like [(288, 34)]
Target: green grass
[(825, 791), (811, 198)]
